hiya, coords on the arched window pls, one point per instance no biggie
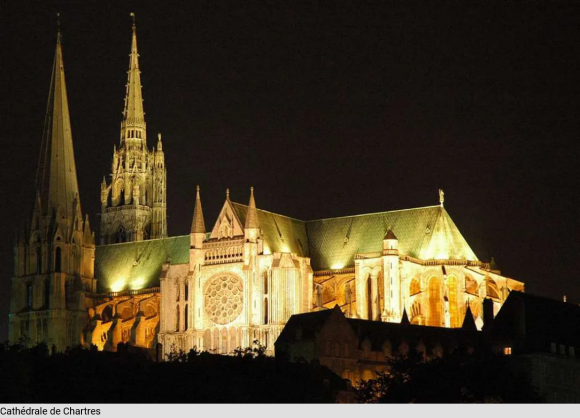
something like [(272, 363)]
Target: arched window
[(38, 261), (186, 321), (58, 260), (455, 320), (224, 341), (435, 318), (266, 283), (266, 310), (177, 318), (491, 289)]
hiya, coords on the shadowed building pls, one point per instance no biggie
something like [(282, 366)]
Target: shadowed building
[(357, 348), (543, 335)]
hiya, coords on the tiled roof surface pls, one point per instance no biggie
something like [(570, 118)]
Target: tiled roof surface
[(280, 233), (137, 264), (424, 233)]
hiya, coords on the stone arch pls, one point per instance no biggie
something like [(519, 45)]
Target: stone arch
[(435, 317), (107, 314), (471, 285), (491, 289), (126, 312)]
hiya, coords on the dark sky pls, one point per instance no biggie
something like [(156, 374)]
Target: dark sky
[(326, 110)]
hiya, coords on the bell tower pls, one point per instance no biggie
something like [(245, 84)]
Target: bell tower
[(54, 254), (133, 204)]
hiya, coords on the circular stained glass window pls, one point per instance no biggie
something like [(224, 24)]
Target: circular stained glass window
[(222, 299)]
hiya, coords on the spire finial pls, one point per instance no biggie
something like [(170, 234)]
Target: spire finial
[(441, 197), (197, 188), (133, 20), (228, 194), (159, 137), (58, 27), (251, 191)]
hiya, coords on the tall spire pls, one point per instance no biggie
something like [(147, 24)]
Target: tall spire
[(252, 216), (133, 125), (198, 225), (56, 176)]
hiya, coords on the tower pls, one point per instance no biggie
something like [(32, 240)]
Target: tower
[(133, 204), (54, 254)]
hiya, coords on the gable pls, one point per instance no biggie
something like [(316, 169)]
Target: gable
[(228, 224)]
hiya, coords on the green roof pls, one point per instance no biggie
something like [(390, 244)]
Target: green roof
[(137, 265), (424, 233), (279, 233)]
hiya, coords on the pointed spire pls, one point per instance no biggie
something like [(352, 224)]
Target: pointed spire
[(227, 194), (198, 225), (441, 197), (133, 125), (405, 318), (87, 229), (56, 176), (252, 215)]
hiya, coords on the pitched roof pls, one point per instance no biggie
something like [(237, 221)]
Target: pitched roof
[(137, 264), (390, 234), (304, 326), (425, 233), (280, 233)]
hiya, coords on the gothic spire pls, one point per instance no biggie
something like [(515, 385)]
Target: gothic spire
[(56, 176), (252, 216), (198, 225), (133, 125)]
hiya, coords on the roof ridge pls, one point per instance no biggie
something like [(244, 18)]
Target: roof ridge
[(374, 213), (267, 211)]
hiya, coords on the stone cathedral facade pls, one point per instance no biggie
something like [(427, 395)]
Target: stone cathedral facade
[(224, 287)]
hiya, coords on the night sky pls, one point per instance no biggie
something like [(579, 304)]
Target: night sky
[(326, 110)]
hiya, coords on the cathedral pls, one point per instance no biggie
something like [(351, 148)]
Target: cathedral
[(226, 286)]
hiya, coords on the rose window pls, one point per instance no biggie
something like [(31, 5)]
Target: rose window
[(224, 299)]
